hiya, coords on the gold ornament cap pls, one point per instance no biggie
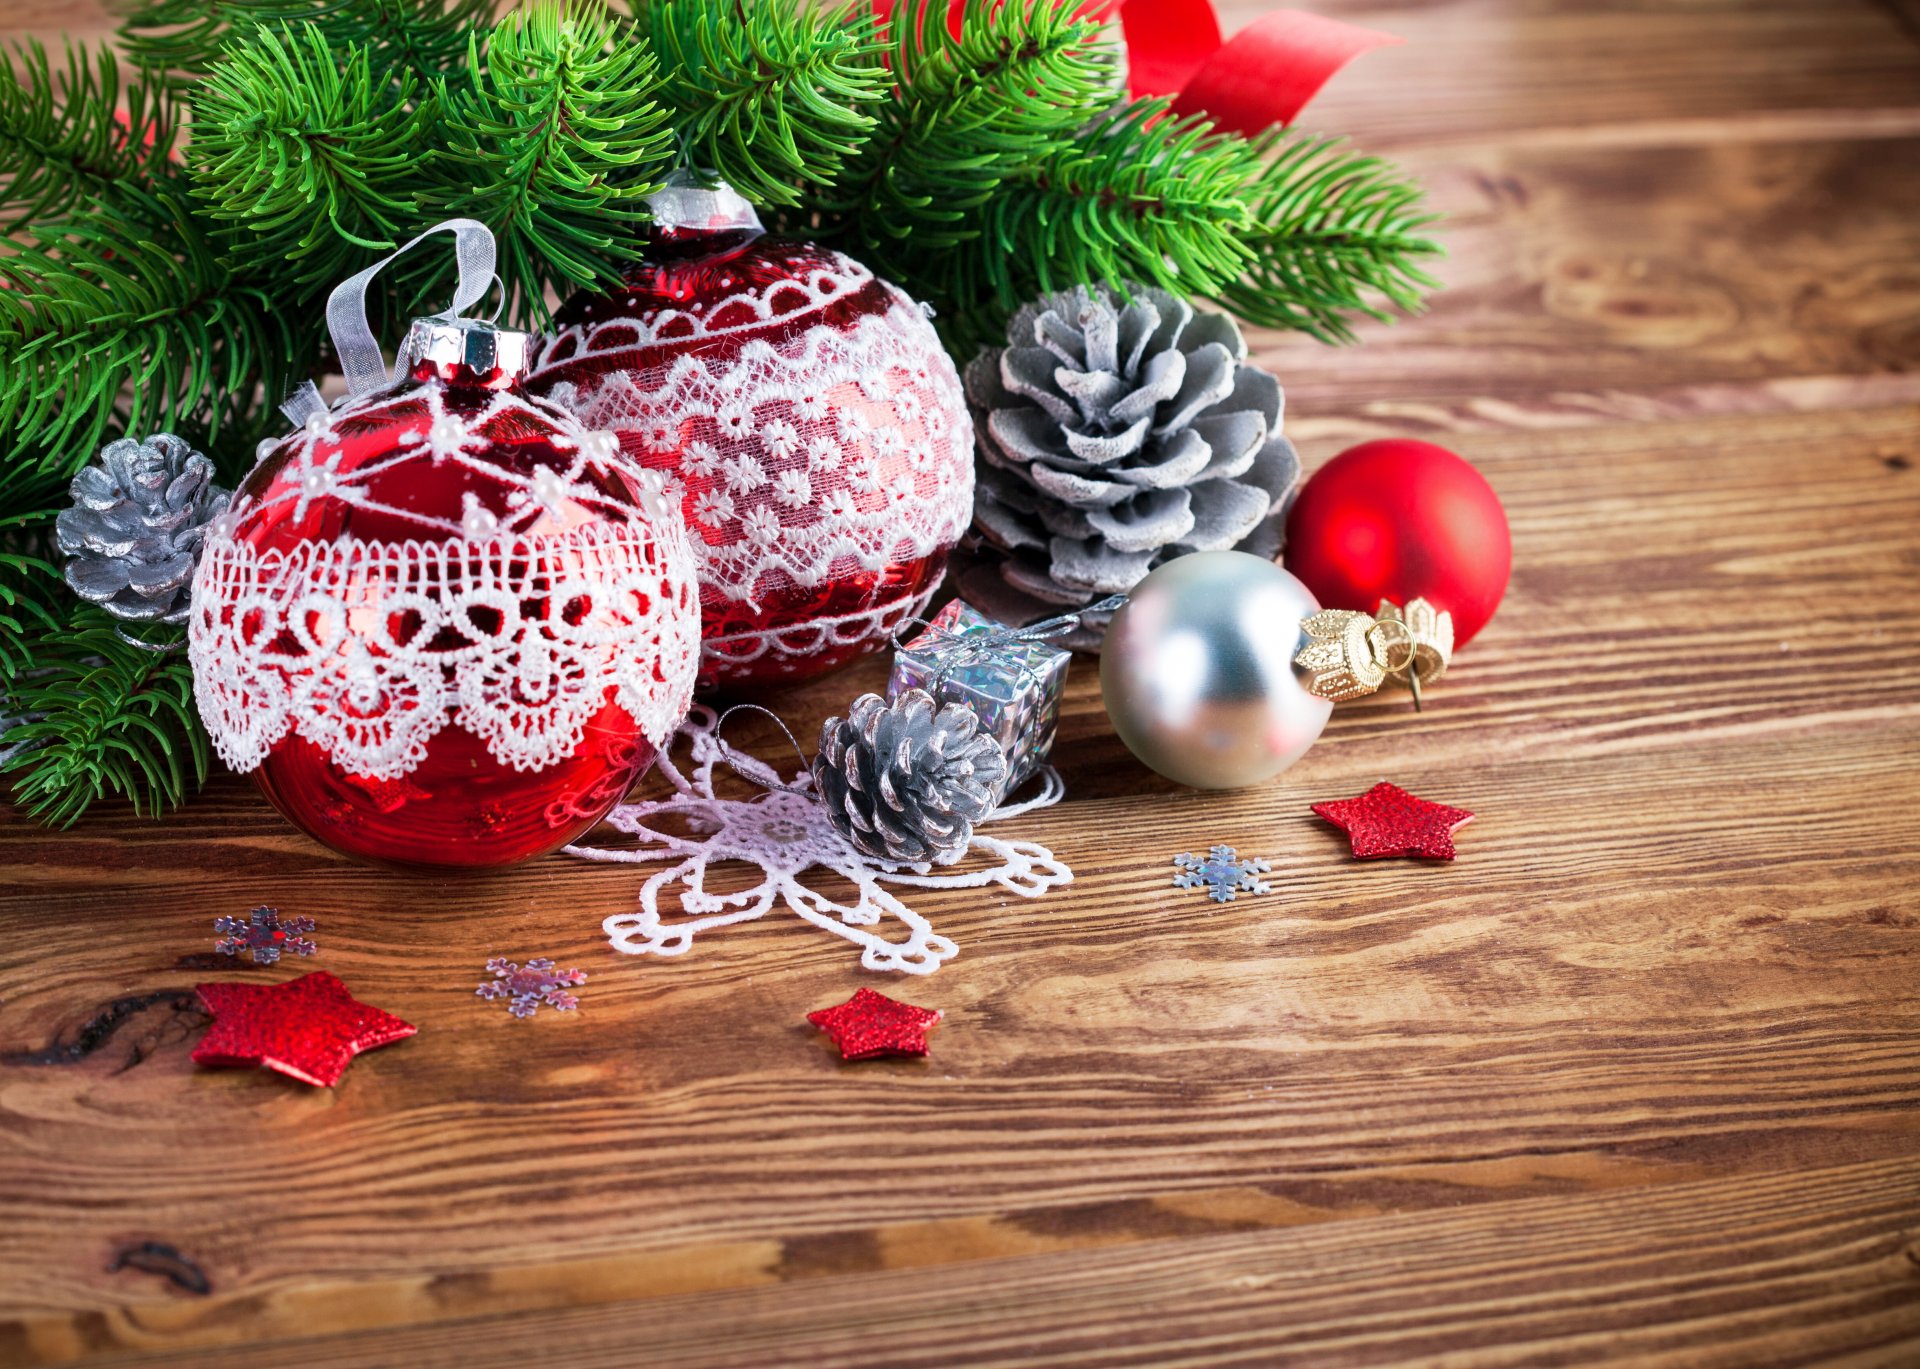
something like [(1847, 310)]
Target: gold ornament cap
[(1349, 654)]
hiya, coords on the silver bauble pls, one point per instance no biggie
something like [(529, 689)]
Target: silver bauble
[(1198, 672)]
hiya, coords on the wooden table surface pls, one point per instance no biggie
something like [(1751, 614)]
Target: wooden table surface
[(1633, 1080)]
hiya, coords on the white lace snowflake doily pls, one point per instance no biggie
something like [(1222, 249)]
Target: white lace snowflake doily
[(785, 833)]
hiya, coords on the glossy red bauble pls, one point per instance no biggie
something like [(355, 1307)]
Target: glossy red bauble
[(1399, 520), (810, 424), (443, 624)]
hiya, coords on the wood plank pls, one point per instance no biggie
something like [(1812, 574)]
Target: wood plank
[(1677, 948), (1815, 1266), (1613, 285), (1477, 70)]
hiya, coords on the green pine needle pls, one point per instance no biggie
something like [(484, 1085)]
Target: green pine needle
[(1137, 196), (772, 97), (116, 325), (969, 112), (30, 585), (309, 155), (183, 39), (554, 144), (102, 718), (61, 144), (1336, 234)]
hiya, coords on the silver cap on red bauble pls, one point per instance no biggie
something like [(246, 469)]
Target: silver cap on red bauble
[(464, 351)]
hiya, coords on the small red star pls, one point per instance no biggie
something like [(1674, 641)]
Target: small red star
[(1388, 821), (309, 1027), (870, 1024)]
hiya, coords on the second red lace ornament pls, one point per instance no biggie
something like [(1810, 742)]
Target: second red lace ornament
[(807, 419), (443, 623)]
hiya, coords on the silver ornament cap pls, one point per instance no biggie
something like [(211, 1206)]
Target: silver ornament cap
[(464, 351), (1198, 673)]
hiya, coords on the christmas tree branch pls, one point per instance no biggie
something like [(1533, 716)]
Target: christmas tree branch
[(98, 717), (183, 39), (770, 97), (1335, 234), (308, 154), (131, 326), (65, 139), (970, 110), (1137, 196), (555, 144)]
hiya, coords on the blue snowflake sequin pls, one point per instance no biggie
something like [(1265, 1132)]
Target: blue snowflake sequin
[(1221, 874), (530, 985), (264, 934)]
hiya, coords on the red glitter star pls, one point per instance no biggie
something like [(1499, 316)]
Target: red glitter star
[(870, 1024), (1388, 821), (308, 1028)]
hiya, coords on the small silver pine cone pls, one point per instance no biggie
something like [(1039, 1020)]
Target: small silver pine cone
[(1117, 435), (905, 780), (133, 534)]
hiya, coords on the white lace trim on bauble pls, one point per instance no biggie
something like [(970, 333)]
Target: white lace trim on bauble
[(785, 833), (369, 649), (841, 450), (736, 313), (794, 646)]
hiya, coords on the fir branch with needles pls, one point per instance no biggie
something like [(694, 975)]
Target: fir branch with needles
[(971, 110), (179, 41), (307, 155), (772, 98), (1335, 234), (128, 323), (74, 136), (101, 717), (554, 144)]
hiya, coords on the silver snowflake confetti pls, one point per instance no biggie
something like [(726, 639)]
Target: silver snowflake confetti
[(1221, 874), (265, 934), (530, 985)]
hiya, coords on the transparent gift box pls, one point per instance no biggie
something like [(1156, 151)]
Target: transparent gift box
[(1011, 682)]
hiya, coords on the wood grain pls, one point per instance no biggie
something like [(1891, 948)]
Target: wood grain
[(1723, 1273), (1632, 1081)]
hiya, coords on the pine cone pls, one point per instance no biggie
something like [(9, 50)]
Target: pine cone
[(905, 780), (134, 531), (1116, 436)]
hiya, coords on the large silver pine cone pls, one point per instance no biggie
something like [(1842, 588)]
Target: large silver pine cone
[(905, 780), (134, 532), (1116, 434)]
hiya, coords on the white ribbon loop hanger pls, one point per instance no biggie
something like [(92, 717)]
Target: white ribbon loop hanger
[(361, 361)]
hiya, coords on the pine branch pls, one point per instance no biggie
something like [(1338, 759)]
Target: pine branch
[(554, 145), (30, 586), (772, 96), (1335, 234), (131, 326), (184, 39), (309, 154), (1137, 196), (102, 718), (65, 139), (970, 110)]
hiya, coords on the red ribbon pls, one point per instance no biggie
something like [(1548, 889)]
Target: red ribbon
[(1264, 76)]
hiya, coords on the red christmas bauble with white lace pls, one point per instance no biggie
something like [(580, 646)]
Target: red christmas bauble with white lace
[(806, 418), (443, 623)]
